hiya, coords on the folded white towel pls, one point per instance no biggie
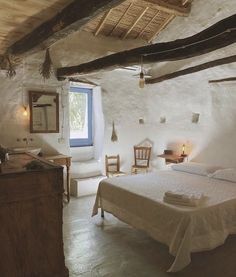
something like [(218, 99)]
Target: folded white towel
[(179, 194), (184, 198), (192, 203)]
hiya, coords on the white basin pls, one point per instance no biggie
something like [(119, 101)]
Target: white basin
[(33, 150)]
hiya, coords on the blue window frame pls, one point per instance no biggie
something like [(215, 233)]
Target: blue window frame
[(80, 100)]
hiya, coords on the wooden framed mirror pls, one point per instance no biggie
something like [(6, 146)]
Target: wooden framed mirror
[(44, 112)]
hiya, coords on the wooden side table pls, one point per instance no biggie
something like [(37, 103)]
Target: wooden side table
[(63, 160), (172, 158)]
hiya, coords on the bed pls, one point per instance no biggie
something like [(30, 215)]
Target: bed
[(138, 201)]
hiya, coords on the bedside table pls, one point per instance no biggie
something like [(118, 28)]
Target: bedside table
[(172, 158)]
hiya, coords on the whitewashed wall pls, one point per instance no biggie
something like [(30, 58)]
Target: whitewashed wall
[(77, 48), (14, 94), (212, 140)]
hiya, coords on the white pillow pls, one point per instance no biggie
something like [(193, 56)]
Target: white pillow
[(195, 168), (228, 174)]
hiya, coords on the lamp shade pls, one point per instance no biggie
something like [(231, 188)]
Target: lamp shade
[(141, 80)]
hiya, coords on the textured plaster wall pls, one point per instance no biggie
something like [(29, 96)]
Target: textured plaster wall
[(77, 48), (14, 94), (212, 140)]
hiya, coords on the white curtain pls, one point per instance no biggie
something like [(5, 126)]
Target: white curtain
[(98, 120)]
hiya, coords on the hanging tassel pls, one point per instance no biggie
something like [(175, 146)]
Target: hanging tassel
[(113, 135), (10, 68), (46, 67)]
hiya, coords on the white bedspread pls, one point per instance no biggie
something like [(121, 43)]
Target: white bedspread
[(138, 201)]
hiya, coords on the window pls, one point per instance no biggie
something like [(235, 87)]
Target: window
[(80, 112)]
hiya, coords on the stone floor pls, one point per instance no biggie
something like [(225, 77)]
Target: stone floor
[(110, 248)]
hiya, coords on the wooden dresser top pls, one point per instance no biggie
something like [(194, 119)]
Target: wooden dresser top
[(17, 162)]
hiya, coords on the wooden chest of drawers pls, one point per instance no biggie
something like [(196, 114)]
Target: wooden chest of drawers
[(31, 219)]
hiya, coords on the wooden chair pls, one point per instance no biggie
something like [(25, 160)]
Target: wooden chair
[(113, 166), (142, 156)]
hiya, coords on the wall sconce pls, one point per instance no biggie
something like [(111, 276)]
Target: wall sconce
[(25, 112), (184, 151), (24, 105)]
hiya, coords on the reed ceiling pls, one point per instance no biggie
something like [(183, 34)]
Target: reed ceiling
[(134, 19), (130, 19)]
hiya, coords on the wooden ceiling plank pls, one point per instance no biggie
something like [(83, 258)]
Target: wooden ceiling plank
[(123, 15), (184, 2), (193, 69), (170, 8), (135, 22), (219, 35), (69, 20), (148, 24), (163, 25), (102, 23)]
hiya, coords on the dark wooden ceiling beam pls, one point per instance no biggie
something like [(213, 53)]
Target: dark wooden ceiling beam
[(69, 20), (215, 37), (193, 69), (230, 79)]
